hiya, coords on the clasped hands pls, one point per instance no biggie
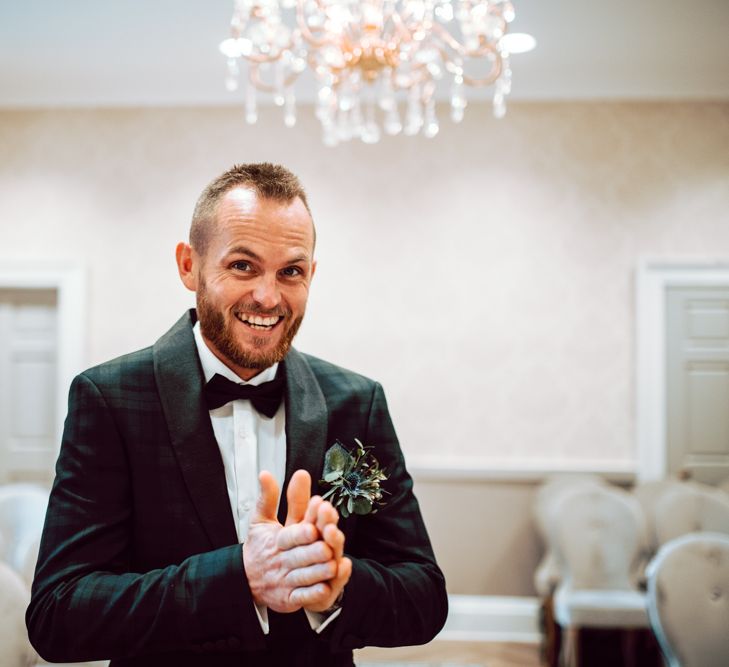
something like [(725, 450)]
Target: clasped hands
[(300, 564)]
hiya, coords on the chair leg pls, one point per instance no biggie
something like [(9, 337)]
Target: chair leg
[(551, 632)]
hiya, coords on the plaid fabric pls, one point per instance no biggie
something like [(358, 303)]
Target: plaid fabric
[(139, 560)]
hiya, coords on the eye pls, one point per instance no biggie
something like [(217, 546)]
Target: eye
[(240, 265), (292, 271)]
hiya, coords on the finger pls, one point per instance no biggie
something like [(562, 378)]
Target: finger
[(313, 574), (312, 510), (267, 500), (344, 572), (297, 496), (335, 539), (319, 597), (326, 515), (313, 597), (305, 555), (296, 535)]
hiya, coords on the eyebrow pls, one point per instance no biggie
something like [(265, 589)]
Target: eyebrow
[(242, 250)]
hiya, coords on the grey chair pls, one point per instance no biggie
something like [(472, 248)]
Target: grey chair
[(691, 508), (600, 534), (688, 600)]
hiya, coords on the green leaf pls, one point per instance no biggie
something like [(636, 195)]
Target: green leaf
[(332, 476), (337, 459), (362, 506)]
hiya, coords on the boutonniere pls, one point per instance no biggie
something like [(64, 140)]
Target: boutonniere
[(354, 478)]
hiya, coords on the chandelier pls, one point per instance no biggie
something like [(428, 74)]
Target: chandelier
[(377, 64)]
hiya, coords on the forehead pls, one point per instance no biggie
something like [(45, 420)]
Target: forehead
[(242, 216)]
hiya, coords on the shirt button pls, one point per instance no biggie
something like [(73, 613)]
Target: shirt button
[(246, 506)]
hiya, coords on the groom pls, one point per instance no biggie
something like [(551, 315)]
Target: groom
[(167, 540)]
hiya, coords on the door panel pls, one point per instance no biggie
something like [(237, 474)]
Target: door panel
[(697, 376), (28, 370)]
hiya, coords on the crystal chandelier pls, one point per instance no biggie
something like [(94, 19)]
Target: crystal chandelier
[(376, 63)]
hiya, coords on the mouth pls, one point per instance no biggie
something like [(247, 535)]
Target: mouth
[(259, 322)]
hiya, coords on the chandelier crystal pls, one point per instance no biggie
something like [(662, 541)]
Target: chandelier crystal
[(377, 64)]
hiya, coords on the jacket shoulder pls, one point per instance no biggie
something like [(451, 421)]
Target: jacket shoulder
[(337, 380), (135, 369)]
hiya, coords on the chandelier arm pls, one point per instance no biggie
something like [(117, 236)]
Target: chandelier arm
[(306, 32), (485, 47), (405, 33), (255, 78), (474, 82)]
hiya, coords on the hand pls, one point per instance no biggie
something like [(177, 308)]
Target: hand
[(325, 517), (287, 565)]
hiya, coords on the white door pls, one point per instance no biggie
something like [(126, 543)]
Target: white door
[(28, 384), (697, 381)]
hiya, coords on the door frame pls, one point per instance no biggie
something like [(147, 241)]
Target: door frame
[(69, 282), (653, 277)]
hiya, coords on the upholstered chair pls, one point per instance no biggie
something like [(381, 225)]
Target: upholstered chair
[(15, 649), (599, 537), (548, 573), (688, 600), (648, 494), (22, 513), (690, 508)]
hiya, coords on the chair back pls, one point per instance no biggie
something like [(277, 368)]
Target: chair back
[(648, 494), (691, 508), (599, 536), (15, 648), (547, 574), (688, 600), (22, 514)]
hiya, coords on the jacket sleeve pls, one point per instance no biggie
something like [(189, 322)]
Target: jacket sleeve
[(86, 601), (396, 595)]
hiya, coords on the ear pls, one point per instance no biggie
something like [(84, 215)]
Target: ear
[(187, 260), (313, 270)]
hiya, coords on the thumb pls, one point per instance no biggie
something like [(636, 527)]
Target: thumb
[(267, 500)]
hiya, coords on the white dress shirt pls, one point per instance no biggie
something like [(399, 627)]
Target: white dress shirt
[(249, 442)]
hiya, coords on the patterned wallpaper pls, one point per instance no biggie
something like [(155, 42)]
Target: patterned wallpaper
[(485, 276)]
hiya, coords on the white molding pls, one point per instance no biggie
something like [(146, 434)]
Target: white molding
[(69, 281), (488, 618), (654, 276), (530, 470)]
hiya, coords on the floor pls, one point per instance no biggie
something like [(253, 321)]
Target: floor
[(435, 654), (452, 654)]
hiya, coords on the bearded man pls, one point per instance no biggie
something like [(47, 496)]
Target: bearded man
[(166, 540)]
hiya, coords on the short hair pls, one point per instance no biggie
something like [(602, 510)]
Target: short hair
[(269, 181)]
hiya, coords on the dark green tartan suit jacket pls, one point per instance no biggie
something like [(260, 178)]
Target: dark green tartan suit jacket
[(139, 560)]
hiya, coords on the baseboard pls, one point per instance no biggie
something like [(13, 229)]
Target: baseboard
[(487, 618)]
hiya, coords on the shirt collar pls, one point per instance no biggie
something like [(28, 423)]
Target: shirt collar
[(212, 365)]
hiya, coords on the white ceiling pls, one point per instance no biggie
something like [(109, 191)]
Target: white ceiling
[(164, 52)]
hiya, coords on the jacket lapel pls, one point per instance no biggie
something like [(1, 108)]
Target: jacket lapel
[(306, 423), (180, 381)]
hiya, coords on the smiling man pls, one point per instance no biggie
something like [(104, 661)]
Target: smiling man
[(167, 541)]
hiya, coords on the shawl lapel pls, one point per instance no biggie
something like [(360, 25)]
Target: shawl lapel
[(306, 423), (180, 381)]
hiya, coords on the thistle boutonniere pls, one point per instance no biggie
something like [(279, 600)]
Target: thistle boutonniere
[(354, 478)]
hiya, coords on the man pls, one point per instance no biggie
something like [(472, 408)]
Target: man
[(164, 453)]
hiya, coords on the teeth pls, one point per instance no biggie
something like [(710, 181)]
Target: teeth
[(260, 321)]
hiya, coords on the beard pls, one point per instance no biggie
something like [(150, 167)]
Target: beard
[(219, 331)]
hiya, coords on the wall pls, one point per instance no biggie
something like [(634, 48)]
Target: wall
[(485, 277)]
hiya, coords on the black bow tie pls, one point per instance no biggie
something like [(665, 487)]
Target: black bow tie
[(266, 397)]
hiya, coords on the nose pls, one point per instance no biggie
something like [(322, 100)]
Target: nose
[(266, 293)]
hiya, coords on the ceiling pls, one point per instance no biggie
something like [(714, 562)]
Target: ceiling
[(164, 52)]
